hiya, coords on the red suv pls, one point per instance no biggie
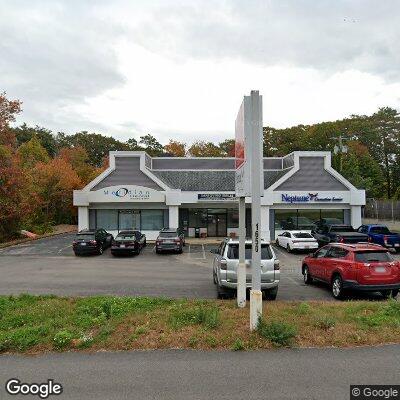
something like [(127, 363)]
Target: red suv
[(361, 266)]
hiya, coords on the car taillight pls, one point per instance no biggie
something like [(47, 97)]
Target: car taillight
[(276, 265), (340, 239), (369, 239), (74, 242), (158, 241), (92, 241), (223, 264), (385, 239)]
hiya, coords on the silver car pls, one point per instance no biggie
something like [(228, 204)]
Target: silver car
[(225, 265)]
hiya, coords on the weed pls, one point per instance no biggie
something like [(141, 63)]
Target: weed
[(325, 322), (193, 341), (238, 345), (140, 330), (62, 339), (302, 309), (209, 317), (211, 341), (278, 333)]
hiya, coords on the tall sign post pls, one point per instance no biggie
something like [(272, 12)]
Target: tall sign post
[(249, 182)]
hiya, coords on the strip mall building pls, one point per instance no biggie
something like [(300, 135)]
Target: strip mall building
[(198, 194)]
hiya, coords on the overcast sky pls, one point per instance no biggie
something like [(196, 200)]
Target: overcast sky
[(179, 69)]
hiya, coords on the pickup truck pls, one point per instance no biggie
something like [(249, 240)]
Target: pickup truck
[(380, 234), (338, 233)]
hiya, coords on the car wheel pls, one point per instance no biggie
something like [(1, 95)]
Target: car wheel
[(386, 293), (277, 242), (221, 292), (306, 275), (271, 294), (395, 292), (77, 254), (100, 251), (158, 251), (144, 244), (214, 278), (337, 287), (288, 248), (180, 251)]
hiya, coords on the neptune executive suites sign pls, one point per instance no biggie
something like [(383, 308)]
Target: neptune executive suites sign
[(310, 197), (198, 194)]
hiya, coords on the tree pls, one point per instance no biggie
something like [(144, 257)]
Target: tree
[(8, 111), (78, 158), (15, 199), (97, 146), (175, 148), (24, 133), (54, 183), (228, 147), (133, 144), (151, 145), (204, 149), (32, 152)]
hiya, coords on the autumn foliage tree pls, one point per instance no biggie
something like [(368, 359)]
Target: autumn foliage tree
[(175, 148)]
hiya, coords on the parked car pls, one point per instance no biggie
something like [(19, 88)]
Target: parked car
[(296, 240), (362, 266), (170, 239), (338, 234), (380, 234), (128, 242), (226, 262), (91, 241)]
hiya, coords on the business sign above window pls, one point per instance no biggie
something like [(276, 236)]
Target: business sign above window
[(126, 193), (309, 198), (216, 197)]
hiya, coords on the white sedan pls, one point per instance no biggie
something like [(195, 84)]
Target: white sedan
[(297, 240)]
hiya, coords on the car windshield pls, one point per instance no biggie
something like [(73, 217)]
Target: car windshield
[(303, 235), (131, 236), (382, 230), (168, 234), (371, 256), (342, 229), (85, 236), (233, 252)]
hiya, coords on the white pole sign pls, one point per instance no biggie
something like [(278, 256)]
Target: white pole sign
[(249, 181)]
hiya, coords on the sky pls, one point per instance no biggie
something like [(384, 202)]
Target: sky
[(179, 69)]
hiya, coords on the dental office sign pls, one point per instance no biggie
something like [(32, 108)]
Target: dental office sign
[(309, 198), (131, 194)]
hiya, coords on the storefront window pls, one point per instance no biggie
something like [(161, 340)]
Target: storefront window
[(152, 220), (107, 219), (285, 219), (306, 219), (197, 218), (129, 219), (332, 216), (233, 218)]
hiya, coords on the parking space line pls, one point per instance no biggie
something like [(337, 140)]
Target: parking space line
[(65, 248), (204, 253)]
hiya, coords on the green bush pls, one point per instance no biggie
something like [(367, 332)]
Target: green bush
[(22, 338), (62, 339), (278, 333), (302, 309)]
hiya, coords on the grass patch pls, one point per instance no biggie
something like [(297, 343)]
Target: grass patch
[(47, 323)]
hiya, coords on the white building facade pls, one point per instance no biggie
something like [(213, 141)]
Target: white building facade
[(198, 195)]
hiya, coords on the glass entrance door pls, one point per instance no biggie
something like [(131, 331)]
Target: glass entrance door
[(216, 223), (128, 220)]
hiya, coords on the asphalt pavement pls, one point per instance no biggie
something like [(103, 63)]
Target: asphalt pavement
[(49, 266), (179, 374)]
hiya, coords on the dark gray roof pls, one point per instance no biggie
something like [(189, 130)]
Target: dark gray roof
[(209, 180)]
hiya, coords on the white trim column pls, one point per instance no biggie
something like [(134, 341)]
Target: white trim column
[(265, 232), (83, 218), (173, 216), (356, 216)]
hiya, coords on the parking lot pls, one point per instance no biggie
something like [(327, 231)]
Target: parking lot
[(50, 266)]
